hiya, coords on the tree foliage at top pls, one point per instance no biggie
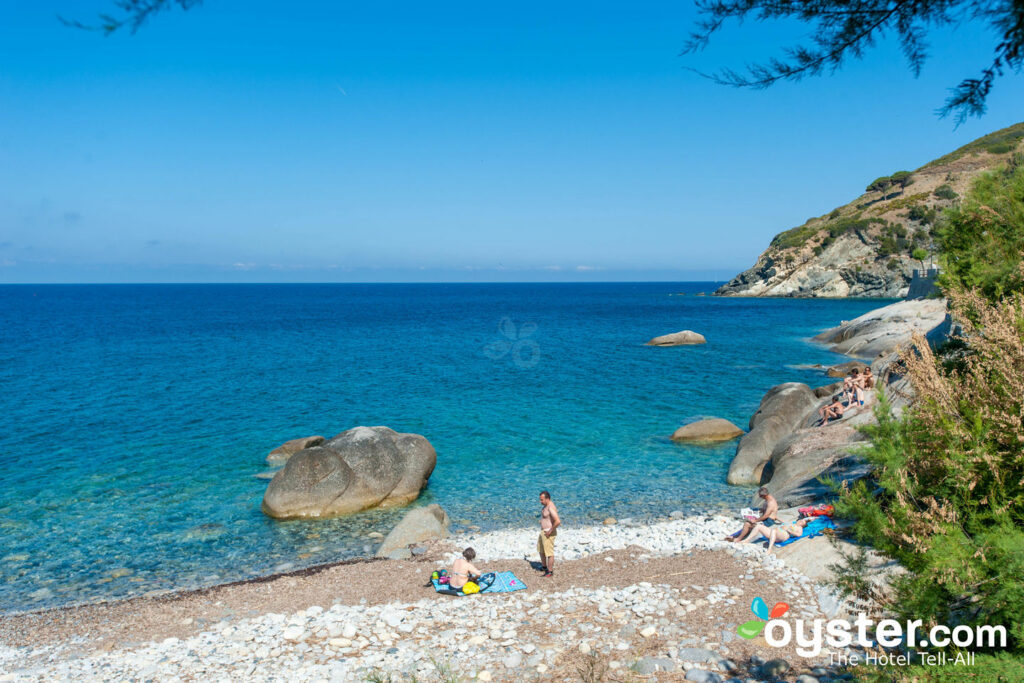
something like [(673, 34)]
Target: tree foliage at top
[(845, 29), (132, 14)]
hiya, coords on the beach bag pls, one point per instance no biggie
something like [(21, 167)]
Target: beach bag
[(823, 510)]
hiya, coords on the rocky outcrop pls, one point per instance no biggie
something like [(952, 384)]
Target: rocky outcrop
[(678, 339), (783, 408), (844, 369), (886, 329), (360, 468), (864, 248), (423, 524), (711, 430), (289, 448)]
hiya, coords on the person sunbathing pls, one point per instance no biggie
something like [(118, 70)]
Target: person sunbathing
[(832, 411), (769, 509), (463, 570), (867, 379), (854, 387), (777, 533)]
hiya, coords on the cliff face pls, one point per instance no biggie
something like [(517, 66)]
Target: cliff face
[(865, 248)]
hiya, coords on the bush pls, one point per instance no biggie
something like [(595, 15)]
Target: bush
[(982, 241), (946, 494), (946, 192)]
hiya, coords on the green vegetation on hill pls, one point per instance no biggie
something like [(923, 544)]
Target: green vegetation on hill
[(999, 142), (982, 240)]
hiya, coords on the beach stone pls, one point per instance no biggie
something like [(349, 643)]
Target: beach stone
[(267, 475), (361, 468), (650, 665), (807, 678), (710, 430), (684, 337), (289, 448), (702, 676), (774, 668), (782, 409), (698, 654), (484, 676), (609, 521), (648, 631), (418, 526)]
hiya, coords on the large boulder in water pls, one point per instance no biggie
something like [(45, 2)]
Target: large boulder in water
[(782, 410), (290, 448), (889, 328), (707, 431), (678, 339), (423, 524), (358, 469)]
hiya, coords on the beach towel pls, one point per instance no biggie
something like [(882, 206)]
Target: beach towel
[(816, 527), (504, 582)]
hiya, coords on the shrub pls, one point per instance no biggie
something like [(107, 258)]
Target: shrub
[(982, 240), (946, 494), (834, 215), (944, 191)]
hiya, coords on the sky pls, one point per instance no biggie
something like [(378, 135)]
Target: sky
[(262, 141)]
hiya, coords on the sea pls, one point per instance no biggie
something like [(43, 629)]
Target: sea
[(134, 418)]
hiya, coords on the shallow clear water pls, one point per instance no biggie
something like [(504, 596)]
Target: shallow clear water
[(134, 417)]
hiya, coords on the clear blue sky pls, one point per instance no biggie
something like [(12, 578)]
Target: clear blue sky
[(261, 141)]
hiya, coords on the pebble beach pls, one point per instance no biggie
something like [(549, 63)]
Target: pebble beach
[(660, 599)]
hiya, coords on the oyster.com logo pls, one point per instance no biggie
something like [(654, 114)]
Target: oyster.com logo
[(515, 343), (752, 629)]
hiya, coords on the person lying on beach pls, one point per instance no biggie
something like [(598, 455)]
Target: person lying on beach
[(769, 509), (463, 570), (777, 533), (832, 411)]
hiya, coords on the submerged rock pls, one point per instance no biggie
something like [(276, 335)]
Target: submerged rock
[(360, 468), (709, 430), (289, 448), (678, 339), (423, 524)]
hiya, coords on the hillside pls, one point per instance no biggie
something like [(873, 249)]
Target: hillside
[(865, 248)]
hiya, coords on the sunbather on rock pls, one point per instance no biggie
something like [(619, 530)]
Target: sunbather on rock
[(463, 570), (832, 411), (854, 388), (777, 533)]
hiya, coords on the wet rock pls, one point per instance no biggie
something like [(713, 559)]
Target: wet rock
[(279, 455), (682, 338), (707, 431)]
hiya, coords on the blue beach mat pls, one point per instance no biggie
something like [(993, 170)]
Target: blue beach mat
[(504, 582), (816, 527)]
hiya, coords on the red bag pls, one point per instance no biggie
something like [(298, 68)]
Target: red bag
[(823, 510)]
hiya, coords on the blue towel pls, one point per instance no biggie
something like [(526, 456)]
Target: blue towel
[(815, 527), (504, 582)]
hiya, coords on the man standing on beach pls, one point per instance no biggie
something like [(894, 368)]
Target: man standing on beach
[(549, 523)]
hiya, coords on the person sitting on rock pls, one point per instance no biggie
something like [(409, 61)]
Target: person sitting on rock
[(778, 533), (867, 379), (463, 570), (854, 388), (832, 411), (769, 509)]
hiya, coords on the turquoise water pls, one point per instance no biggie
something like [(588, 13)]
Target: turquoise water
[(134, 417)]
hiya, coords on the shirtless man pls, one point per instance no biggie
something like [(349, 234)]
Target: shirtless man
[(767, 518), (832, 411), (549, 523), (867, 379), (854, 386)]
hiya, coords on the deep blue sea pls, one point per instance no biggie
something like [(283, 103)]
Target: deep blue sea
[(135, 417)]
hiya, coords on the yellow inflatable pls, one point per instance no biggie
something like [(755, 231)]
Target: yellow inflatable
[(470, 588)]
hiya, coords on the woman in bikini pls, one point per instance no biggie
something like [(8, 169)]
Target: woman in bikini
[(777, 533), (463, 569)]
